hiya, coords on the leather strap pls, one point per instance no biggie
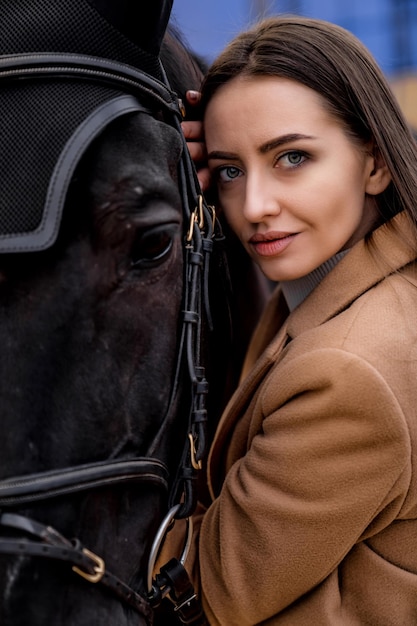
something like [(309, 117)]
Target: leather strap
[(114, 74), (53, 545), (180, 591), (41, 486)]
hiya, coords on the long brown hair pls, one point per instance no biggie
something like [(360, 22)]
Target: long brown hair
[(334, 63)]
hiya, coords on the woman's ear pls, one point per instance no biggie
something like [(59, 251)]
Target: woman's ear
[(379, 177)]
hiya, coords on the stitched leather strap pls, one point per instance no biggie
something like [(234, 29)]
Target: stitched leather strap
[(85, 67), (41, 486), (53, 545)]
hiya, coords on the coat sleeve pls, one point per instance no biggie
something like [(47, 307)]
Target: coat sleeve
[(330, 463)]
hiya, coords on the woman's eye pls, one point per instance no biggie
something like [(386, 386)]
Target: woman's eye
[(291, 159), (151, 248), (228, 173)]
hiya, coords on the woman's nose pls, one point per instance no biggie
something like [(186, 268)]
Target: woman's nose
[(261, 199)]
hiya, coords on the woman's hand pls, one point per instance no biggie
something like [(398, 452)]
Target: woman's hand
[(194, 135)]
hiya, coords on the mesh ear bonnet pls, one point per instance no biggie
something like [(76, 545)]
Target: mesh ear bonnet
[(46, 125)]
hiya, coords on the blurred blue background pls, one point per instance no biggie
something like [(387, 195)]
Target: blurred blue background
[(387, 27)]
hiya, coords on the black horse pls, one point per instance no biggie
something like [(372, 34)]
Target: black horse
[(114, 294)]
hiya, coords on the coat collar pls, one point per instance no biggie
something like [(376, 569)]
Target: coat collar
[(364, 266), (361, 269)]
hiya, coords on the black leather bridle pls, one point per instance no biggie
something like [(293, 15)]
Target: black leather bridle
[(201, 229)]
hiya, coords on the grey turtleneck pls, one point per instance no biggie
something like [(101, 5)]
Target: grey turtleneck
[(295, 291)]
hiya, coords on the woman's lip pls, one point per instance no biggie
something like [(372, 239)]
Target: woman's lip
[(272, 243)]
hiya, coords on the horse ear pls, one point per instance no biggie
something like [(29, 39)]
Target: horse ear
[(144, 23)]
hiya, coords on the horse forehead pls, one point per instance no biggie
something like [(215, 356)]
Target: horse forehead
[(141, 142), (153, 131)]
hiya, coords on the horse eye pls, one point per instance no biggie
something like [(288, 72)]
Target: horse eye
[(151, 248)]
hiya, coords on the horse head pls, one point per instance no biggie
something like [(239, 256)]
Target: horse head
[(104, 246)]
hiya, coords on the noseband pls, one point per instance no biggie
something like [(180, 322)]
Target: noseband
[(201, 229)]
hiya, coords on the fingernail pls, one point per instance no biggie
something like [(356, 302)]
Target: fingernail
[(192, 95)]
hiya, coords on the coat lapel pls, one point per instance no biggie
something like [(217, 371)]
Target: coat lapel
[(237, 407)]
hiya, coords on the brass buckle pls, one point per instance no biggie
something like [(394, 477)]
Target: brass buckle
[(99, 568), (197, 465), (193, 219), (181, 107), (197, 216), (200, 212), (213, 215)]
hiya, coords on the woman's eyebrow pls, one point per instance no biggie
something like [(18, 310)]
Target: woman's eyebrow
[(271, 144), (218, 154), (282, 140)]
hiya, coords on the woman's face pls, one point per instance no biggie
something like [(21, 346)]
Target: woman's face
[(291, 183)]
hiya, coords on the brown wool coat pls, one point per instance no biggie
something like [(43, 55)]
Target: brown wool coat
[(313, 468)]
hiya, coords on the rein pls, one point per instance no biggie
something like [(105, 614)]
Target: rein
[(201, 229)]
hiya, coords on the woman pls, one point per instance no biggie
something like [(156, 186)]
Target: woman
[(312, 471)]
